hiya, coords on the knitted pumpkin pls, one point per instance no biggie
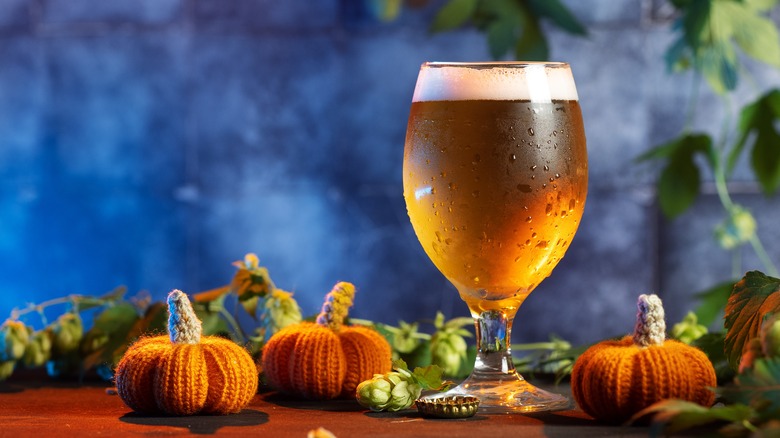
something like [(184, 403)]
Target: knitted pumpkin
[(326, 359), (184, 374), (613, 380)]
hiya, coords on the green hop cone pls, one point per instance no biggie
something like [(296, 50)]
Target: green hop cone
[(6, 369), (737, 229), (14, 337), (67, 333), (770, 336), (448, 346), (392, 391), (689, 329), (38, 350), (281, 310), (397, 390)]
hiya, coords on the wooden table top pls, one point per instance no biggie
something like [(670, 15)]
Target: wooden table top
[(54, 408)]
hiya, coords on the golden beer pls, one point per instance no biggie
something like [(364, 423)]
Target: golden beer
[(495, 190), (495, 178)]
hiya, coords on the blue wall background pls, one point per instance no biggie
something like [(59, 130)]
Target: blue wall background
[(150, 143)]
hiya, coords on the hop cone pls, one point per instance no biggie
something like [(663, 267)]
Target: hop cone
[(14, 338), (392, 391), (281, 310), (67, 331)]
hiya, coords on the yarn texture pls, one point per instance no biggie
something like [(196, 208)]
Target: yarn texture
[(184, 373), (326, 359), (613, 380)]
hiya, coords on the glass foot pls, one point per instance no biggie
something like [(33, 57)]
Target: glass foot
[(512, 395)]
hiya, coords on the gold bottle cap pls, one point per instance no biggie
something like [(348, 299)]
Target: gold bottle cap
[(457, 406)]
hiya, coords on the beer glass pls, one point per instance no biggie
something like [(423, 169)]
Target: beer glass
[(495, 176)]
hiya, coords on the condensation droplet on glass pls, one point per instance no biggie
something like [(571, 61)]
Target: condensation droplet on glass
[(475, 193), (572, 203), (452, 186), (448, 241), (533, 235), (438, 236), (548, 209), (542, 244), (546, 168), (525, 188), (533, 167), (530, 131), (528, 219), (443, 174)]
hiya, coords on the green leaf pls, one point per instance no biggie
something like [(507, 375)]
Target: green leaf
[(756, 35), (718, 64), (532, 44), (758, 386), (454, 14), (753, 297), (209, 315), (695, 21), (430, 377), (112, 327), (765, 157), (679, 415), (712, 345), (713, 301), (501, 36), (760, 5), (678, 184), (559, 15)]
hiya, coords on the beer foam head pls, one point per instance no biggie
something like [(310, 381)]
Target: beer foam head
[(537, 82)]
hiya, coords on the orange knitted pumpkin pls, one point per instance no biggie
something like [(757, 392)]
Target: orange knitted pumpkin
[(326, 359), (185, 374), (613, 380)]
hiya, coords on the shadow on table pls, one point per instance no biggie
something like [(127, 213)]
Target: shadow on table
[(336, 405), (200, 424)]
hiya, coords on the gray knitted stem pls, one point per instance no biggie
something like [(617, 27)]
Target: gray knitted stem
[(183, 325), (650, 325)]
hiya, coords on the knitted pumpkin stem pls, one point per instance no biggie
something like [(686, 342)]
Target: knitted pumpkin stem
[(184, 327), (650, 325), (336, 306)]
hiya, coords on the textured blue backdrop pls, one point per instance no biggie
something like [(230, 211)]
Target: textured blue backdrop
[(151, 143)]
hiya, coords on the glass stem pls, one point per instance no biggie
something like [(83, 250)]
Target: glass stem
[(494, 355)]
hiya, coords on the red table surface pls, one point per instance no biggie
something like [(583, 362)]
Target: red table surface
[(51, 408)]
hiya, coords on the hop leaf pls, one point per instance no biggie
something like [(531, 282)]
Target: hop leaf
[(754, 297), (397, 390)]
